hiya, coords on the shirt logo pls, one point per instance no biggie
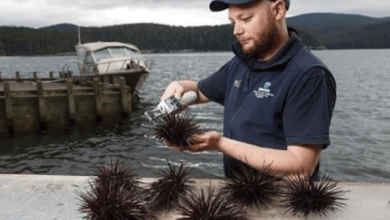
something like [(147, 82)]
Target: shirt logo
[(264, 92), (237, 83)]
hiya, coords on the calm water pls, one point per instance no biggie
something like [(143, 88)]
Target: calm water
[(360, 127)]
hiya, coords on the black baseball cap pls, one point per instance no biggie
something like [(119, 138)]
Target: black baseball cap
[(219, 5)]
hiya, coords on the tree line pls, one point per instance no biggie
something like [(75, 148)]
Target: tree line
[(147, 37), (62, 38)]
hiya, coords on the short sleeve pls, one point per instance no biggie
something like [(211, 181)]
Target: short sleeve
[(214, 86), (309, 108)]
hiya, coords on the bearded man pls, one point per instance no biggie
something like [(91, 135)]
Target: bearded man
[(278, 97)]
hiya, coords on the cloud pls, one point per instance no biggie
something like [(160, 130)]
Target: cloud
[(148, 4), (363, 7), (40, 13)]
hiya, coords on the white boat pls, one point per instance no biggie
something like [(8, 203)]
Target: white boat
[(108, 60)]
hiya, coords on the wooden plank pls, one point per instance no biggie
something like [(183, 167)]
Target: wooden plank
[(98, 99), (8, 108), (125, 104), (41, 106), (71, 102)]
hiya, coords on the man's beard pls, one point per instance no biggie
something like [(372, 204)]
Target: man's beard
[(267, 40)]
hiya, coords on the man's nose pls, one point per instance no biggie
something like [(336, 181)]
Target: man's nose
[(238, 30)]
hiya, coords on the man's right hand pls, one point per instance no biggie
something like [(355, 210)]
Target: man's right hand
[(173, 89)]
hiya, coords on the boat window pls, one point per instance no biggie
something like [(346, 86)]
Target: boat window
[(102, 54), (89, 59), (117, 52), (131, 53)]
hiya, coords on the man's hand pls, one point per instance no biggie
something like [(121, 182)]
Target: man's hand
[(173, 89), (207, 141)]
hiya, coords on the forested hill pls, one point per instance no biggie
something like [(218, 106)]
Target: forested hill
[(318, 30), (341, 31)]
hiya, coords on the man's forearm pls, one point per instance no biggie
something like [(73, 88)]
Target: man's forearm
[(295, 159)]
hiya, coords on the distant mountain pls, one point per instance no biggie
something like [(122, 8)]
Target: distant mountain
[(318, 31), (61, 27), (345, 31), (372, 36), (330, 23), (386, 19)]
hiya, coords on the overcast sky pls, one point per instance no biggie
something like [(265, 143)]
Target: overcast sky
[(41, 13)]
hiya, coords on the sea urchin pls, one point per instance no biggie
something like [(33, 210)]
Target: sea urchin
[(251, 187), (210, 206), (173, 186), (115, 194), (176, 130), (106, 202), (119, 175), (304, 195)]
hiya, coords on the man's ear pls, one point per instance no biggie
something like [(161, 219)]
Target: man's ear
[(279, 9)]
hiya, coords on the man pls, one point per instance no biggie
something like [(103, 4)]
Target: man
[(278, 97)]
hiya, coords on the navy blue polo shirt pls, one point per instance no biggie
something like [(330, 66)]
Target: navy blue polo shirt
[(287, 100)]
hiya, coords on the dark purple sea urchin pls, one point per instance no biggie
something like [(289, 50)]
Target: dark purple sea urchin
[(251, 187), (119, 174), (115, 194), (174, 185), (210, 206), (176, 130), (108, 202), (304, 195)]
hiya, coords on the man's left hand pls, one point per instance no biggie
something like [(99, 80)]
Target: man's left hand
[(207, 141)]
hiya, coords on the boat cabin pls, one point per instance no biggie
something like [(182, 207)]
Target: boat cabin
[(108, 58)]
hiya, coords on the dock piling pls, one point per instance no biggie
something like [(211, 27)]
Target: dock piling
[(41, 106), (8, 108), (71, 102), (106, 79), (98, 99), (115, 80), (35, 77), (18, 79), (33, 104), (124, 97)]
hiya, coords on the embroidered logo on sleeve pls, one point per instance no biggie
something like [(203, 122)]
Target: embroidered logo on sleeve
[(264, 92)]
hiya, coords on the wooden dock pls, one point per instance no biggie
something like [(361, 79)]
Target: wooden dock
[(32, 105)]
